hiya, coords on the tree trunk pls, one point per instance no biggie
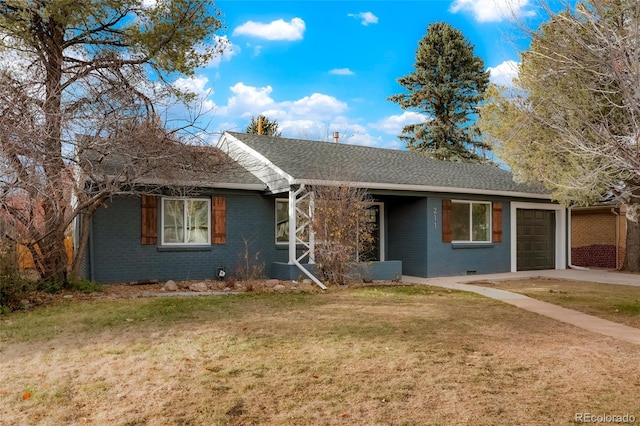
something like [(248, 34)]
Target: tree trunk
[(632, 254), (83, 243), (54, 257), (54, 203)]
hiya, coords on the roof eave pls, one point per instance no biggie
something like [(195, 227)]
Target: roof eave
[(425, 188)]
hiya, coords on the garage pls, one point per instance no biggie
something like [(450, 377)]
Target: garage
[(535, 239)]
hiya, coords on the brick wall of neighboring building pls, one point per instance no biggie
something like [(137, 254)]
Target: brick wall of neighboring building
[(593, 228), (596, 237), (596, 255)]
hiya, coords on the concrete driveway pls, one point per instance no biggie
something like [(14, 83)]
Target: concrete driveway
[(569, 316)]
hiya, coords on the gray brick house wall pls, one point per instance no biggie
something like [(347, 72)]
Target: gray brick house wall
[(118, 255)]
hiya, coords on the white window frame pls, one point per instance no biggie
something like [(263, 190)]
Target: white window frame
[(489, 220), (185, 221)]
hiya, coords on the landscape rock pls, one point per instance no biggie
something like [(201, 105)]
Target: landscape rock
[(198, 287), (271, 283), (171, 286), (279, 287), (307, 281)]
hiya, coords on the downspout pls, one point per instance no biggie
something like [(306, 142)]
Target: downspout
[(292, 237), (572, 266)]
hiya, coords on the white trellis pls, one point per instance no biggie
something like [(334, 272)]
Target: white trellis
[(301, 224)]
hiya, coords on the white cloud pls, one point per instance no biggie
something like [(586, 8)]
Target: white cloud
[(317, 106), (247, 101), (492, 10), (366, 18), (394, 124), (274, 30), (504, 73), (349, 133), (257, 49), (198, 86), (312, 117), (341, 71)]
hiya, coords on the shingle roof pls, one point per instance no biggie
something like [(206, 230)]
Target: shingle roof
[(200, 166), (312, 160)]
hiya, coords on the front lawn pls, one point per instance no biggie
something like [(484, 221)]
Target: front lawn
[(618, 303), (388, 355)]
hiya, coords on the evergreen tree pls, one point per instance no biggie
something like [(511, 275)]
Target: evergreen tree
[(448, 83), (269, 127)]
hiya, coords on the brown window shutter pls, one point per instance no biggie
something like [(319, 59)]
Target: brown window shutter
[(149, 220), (219, 220), (447, 231), (497, 222)]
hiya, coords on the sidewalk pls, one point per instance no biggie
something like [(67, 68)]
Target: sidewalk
[(569, 316)]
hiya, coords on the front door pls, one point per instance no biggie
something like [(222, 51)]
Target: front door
[(373, 216)]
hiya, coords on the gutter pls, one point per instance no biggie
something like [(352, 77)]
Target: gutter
[(423, 188)]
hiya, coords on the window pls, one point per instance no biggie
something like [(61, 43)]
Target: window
[(282, 223), (471, 221), (186, 221)]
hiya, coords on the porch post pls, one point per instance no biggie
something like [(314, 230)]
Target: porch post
[(292, 226)]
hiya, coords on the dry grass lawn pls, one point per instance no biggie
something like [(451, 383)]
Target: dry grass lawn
[(388, 355), (618, 303)]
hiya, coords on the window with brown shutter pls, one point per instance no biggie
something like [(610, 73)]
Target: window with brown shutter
[(446, 221), (149, 208), (219, 220), (497, 222)]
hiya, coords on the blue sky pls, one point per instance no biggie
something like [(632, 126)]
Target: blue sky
[(323, 66)]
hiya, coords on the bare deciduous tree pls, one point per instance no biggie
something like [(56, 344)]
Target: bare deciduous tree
[(573, 120), (80, 97), (341, 228)]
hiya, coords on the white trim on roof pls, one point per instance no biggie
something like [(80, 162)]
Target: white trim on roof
[(233, 142), (424, 188), (246, 186), (221, 185)]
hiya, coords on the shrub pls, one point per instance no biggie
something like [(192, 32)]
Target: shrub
[(249, 266), (84, 286), (13, 285), (71, 283), (342, 230)]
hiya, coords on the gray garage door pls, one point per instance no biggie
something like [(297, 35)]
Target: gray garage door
[(536, 239)]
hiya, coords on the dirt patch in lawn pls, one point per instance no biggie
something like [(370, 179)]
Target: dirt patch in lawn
[(619, 303), (379, 355)]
